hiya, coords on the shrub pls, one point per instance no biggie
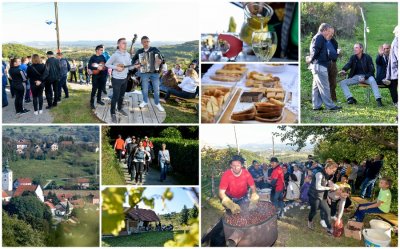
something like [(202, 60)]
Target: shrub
[(171, 132), (184, 156)]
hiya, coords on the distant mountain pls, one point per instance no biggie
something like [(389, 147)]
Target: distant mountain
[(266, 147), (88, 44)]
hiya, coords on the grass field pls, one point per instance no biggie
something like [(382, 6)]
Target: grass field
[(65, 166), (148, 239), (381, 27)]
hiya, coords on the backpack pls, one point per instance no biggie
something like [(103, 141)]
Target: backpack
[(64, 66), (139, 154)]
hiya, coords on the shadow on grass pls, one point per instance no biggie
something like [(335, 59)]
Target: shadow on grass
[(145, 239)]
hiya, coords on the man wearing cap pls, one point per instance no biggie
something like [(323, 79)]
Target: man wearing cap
[(234, 186), (257, 173), (277, 182), (51, 77)]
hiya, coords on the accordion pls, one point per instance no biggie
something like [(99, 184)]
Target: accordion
[(148, 62)]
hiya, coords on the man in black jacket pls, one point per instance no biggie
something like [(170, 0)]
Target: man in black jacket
[(97, 65), (362, 70), (371, 174), (51, 77), (381, 63), (319, 59)]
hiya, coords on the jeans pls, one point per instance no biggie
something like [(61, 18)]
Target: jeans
[(81, 80), (37, 94), (4, 93), (119, 88), (155, 81), (98, 84), (62, 85), (139, 171), (182, 94), (344, 84), (51, 90), (317, 203), (164, 168), (119, 154), (239, 201), (27, 92), (277, 200), (321, 93), (366, 187), (360, 214)]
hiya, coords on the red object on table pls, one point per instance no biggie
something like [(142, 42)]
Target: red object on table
[(235, 45)]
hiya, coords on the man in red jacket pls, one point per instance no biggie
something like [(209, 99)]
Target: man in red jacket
[(278, 184), (234, 186)]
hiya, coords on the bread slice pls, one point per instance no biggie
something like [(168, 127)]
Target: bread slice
[(243, 117)]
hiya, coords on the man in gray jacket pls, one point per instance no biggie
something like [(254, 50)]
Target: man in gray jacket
[(120, 63)]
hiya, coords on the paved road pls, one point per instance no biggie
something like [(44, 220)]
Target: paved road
[(151, 178)]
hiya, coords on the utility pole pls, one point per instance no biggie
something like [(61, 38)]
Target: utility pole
[(57, 28), (273, 146), (237, 145)]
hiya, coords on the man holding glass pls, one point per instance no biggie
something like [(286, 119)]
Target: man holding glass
[(361, 72), (319, 60)]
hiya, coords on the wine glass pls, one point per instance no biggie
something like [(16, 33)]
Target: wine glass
[(264, 44)]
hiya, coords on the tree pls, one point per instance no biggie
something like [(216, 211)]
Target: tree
[(31, 210), (171, 132), (19, 233), (194, 212), (184, 216)]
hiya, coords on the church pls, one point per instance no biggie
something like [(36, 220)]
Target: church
[(16, 188)]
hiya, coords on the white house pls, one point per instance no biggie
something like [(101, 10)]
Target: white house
[(22, 144), (7, 180), (61, 208), (30, 188), (5, 197), (51, 207), (83, 183), (54, 147)]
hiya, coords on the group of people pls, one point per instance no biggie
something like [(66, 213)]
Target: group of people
[(325, 51), (139, 155), (30, 76), (326, 187)]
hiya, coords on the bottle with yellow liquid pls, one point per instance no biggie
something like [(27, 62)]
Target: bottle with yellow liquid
[(256, 18)]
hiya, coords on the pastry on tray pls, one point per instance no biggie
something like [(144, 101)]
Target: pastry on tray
[(212, 101), (229, 73)]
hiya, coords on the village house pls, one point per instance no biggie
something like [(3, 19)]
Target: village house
[(38, 149), (36, 189), (64, 208), (22, 182), (83, 183), (66, 143), (52, 207), (19, 151), (4, 196), (23, 144), (54, 147), (137, 219), (7, 177)]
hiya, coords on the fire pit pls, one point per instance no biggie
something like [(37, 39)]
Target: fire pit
[(256, 227)]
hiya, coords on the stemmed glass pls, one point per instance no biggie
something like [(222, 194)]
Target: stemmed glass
[(264, 44)]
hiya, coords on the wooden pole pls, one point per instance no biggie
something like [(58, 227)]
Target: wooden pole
[(57, 27), (273, 146), (237, 144), (365, 30)]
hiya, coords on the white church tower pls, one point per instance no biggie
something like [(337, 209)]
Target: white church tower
[(7, 183)]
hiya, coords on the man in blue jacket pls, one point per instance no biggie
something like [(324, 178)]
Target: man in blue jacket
[(362, 70), (321, 54)]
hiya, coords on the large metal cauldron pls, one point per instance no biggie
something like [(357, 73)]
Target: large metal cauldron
[(261, 234)]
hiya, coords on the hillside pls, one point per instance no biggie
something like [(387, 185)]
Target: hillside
[(179, 53), (19, 50)]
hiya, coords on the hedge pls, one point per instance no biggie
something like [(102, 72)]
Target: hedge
[(184, 156)]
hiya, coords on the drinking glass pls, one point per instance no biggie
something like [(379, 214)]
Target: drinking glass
[(264, 44)]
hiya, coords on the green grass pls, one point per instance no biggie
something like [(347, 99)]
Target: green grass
[(53, 169), (380, 32), (75, 109), (111, 172), (147, 239)]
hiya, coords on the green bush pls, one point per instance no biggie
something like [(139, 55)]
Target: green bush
[(171, 132), (184, 156), (111, 171)]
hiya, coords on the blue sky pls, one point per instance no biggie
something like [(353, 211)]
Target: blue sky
[(180, 199), (161, 21)]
